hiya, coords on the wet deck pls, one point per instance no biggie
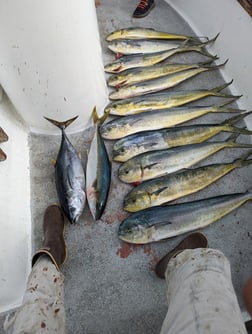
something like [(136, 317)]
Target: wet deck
[(110, 287)]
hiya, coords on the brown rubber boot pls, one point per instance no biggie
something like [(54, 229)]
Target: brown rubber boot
[(54, 243), (193, 240), (247, 295)]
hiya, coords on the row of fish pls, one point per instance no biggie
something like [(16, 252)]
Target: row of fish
[(3, 138), (73, 184), (155, 150)]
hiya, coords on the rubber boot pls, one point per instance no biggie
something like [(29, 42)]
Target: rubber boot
[(247, 295), (54, 243), (193, 240)]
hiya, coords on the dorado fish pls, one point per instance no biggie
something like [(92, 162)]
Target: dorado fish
[(157, 119), (147, 46), (154, 140), (3, 156), (153, 164), (157, 101), (139, 74), (171, 187), (164, 222), (3, 135), (144, 60), (159, 83), (98, 172), (139, 33), (69, 176)]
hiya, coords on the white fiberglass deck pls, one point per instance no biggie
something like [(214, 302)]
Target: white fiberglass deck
[(110, 286)]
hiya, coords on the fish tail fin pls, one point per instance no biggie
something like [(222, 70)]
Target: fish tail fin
[(62, 125), (236, 118), (232, 138), (96, 118), (234, 129), (212, 40), (199, 42), (222, 107), (205, 63), (210, 68), (232, 141), (221, 87), (217, 91), (200, 49), (242, 161)]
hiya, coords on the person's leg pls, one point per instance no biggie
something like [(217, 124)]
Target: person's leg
[(200, 294), (143, 8), (42, 310)]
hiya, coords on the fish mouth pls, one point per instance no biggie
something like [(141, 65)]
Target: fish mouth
[(75, 219)]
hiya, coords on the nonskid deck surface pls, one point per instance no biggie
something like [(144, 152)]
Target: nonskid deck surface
[(111, 287)]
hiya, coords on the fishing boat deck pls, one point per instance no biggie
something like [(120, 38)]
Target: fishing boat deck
[(110, 286)]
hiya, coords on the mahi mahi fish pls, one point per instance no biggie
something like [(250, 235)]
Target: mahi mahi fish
[(157, 119), (159, 83), (98, 172), (148, 46), (164, 222), (171, 187), (163, 100), (154, 140), (138, 74), (138, 33), (144, 60), (69, 175), (153, 164)]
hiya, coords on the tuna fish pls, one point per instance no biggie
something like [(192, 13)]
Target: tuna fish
[(98, 172), (69, 176)]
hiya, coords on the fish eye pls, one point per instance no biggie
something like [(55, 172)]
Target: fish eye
[(129, 231), (109, 128)]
